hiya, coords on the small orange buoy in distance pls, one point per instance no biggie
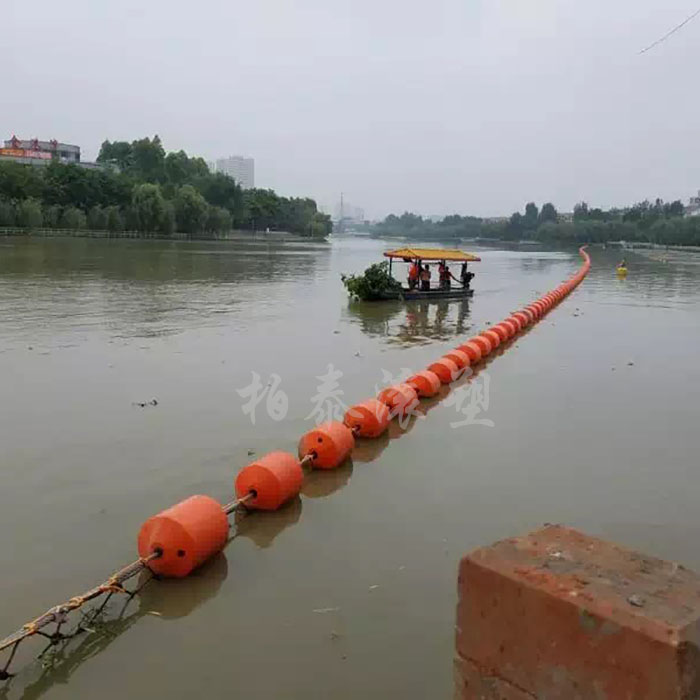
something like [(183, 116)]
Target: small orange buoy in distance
[(330, 443), (274, 479), (426, 383), (186, 535), (446, 370), (368, 419), (400, 398)]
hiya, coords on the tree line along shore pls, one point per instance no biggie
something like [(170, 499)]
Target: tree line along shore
[(142, 188), (658, 222)]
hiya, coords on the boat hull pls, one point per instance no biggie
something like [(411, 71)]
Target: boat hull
[(417, 294)]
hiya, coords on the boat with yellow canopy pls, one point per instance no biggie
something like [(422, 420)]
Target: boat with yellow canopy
[(439, 283)]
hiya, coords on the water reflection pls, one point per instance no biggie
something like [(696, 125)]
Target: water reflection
[(172, 599), (319, 483), (414, 322), (367, 450), (428, 404), (169, 599), (400, 427), (262, 527), (155, 261), (143, 288)]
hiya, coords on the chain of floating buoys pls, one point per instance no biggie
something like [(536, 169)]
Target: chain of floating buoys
[(176, 541)]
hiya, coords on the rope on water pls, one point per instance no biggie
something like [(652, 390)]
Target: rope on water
[(57, 614)]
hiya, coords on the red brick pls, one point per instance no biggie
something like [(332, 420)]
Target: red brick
[(559, 615), (472, 682)]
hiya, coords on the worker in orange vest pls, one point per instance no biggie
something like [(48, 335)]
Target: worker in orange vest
[(414, 274)]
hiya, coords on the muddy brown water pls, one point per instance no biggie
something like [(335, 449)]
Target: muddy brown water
[(590, 419)]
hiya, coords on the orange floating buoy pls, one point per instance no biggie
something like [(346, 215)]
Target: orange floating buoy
[(446, 370), (484, 343), (530, 315), (515, 320), (473, 350), (186, 535), (523, 318), (512, 325), (459, 357), (400, 398), (426, 383), (493, 337), (535, 310), (330, 443), (274, 479), (503, 331), (368, 419)]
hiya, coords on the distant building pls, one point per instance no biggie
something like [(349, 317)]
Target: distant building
[(349, 213), (241, 169), (40, 150), (693, 206), (36, 152)]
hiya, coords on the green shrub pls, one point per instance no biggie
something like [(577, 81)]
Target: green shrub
[(374, 284)]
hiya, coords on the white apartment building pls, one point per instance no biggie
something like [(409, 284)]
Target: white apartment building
[(241, 169), (693, 206)]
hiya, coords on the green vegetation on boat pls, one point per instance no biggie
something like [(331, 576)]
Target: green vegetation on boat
[(374, 284)]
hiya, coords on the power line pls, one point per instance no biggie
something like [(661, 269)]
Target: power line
[(673, 31)]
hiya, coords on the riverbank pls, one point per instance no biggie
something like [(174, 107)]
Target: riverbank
[(237, 235)]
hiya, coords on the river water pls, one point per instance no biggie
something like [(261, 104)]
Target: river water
[(589, 419)]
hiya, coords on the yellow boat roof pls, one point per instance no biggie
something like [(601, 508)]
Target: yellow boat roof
[(432, 254)]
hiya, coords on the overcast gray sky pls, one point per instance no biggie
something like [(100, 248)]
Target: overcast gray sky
[(469, 106)]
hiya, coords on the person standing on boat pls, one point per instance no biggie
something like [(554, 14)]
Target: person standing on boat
[(465, 276), (425, 279), (444, 276), (414, 274)]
